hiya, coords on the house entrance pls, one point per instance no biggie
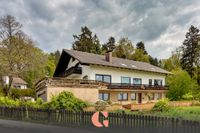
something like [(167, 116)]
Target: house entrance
[(139, 97)]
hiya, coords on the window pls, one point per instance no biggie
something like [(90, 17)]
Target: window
[(151, 96), (137, 81), (158, 96), (104, 96), (125, 80), (122, 96), (150, 82), (133, 96), (103, 78), (157, 82)]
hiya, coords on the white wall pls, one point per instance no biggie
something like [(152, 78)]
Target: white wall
[(117, 73), (5, 79)]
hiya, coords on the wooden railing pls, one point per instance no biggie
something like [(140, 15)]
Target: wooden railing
[(136, 86)]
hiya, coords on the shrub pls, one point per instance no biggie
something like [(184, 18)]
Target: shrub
[(197, 96), (188, 96), (180, 84), (18, 93), (66, 100), (100, 105), (161, 105), (8, 102)]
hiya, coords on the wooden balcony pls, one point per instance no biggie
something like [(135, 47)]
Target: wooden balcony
[(136, 87)]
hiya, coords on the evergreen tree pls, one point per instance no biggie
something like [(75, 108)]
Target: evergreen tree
[(86, 42), (153, 61), (140, 45), (191, 51), (110, 45)]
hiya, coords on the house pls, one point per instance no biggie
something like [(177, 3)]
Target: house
[(93, 77), (17, 82)]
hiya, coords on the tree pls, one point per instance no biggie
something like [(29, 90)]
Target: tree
[(110, 45), (153, 61), (140, 45), (140, 53), (173, 62), (17, 51), (180, 83), (124, 49), (190, 59), (140, 56), (57, 55), (86, 42)]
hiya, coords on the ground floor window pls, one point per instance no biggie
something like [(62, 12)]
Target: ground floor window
[(122, 96), (104, 96), (103, 78), (158, 96), (151, 96), (133, 96)]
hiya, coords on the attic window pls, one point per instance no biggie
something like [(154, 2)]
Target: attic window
[(134, 66), (123, 64)]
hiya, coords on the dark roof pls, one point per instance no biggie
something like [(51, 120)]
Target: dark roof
[(17, 80), (89, 58)]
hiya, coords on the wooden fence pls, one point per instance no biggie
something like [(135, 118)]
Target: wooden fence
[(140, 123)]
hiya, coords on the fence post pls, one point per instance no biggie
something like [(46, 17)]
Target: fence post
[(82, 118), (124, 118), (48, 115)]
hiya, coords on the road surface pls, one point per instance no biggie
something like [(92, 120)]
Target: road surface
[(10, 126)]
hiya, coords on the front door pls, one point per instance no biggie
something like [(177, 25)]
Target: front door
[(139, 97)]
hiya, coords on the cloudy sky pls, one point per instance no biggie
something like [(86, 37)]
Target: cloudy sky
[(161, 24)]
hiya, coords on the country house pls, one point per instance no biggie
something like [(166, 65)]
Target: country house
[(93, 77)]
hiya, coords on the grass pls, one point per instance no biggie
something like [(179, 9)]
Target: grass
[(188, 113)]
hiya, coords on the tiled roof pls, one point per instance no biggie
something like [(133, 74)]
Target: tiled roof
[(17, 80), (89, 58)]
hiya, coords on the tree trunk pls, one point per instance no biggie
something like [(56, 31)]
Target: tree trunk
[(9, 85)]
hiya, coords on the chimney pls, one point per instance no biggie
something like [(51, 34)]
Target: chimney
[(108, 56)]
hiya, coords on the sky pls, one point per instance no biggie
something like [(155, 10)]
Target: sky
[(160, 24)]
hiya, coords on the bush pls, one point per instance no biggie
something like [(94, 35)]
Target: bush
[(161, 105), (188, 96), (37, 104), (8, 102), (197, 96), (100, 105), (180, 84), (18, 93), (66, 100)]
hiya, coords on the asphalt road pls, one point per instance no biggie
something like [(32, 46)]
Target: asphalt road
[(10, 126)]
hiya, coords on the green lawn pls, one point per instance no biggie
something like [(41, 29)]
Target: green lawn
[(189, 113)]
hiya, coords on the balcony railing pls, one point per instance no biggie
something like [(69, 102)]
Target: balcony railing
[(136, 86)]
